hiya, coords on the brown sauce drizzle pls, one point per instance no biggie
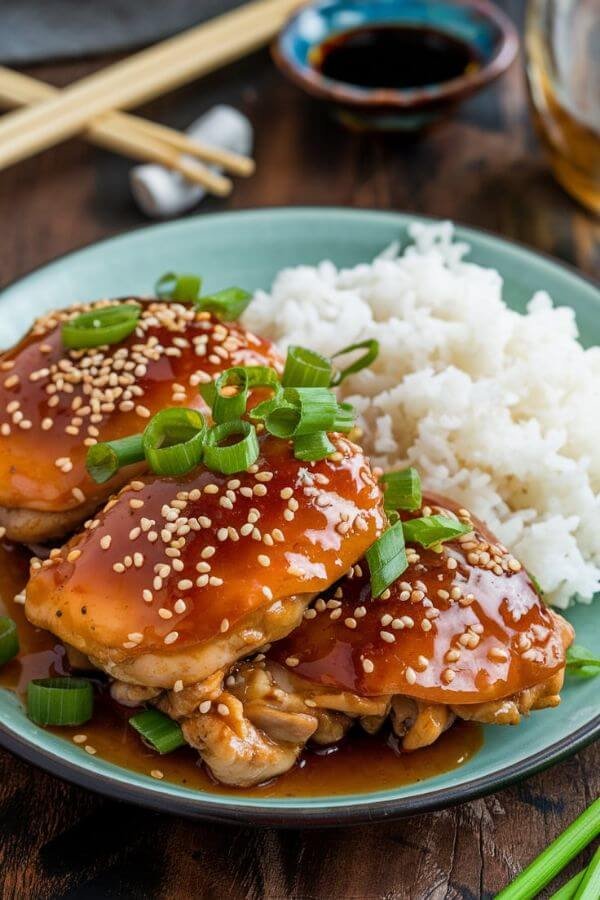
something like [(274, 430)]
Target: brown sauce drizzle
[(358, 764)]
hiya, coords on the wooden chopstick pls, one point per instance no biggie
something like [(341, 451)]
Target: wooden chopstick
[(17, 90), (141, 77)]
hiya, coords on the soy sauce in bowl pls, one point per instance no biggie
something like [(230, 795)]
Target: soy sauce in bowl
[(394, 56)]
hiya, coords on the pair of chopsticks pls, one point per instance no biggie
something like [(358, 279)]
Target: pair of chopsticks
[(585, 885), (89, 105)]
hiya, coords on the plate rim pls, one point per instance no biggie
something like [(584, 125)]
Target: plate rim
[(369, 810)]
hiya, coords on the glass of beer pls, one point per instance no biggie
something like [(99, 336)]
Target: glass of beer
[(562, 41)]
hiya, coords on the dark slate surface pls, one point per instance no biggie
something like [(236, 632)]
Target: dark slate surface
[(38, 30)]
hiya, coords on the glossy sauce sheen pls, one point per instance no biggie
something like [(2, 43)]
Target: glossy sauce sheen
[(394, 56), (330, 512), (53, 399), (494, 615), (359, 764)]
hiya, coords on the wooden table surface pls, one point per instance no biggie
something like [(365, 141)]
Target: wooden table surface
[(484, 168)]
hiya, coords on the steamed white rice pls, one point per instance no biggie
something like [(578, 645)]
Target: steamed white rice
[(498, 410)]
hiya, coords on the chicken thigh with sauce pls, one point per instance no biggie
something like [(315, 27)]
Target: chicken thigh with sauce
[(55, 403), (463, 633), (178, 577)]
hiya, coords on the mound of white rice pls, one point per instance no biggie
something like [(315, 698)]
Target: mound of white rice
[(498, 410)]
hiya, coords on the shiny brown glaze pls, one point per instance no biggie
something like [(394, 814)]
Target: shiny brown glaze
[(360, 763), (228, 545), (55, 402), (455, 629)]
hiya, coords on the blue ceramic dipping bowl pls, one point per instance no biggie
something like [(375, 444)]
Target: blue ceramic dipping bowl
[(482, 26)]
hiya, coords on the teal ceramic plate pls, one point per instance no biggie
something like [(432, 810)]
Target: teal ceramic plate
[(248, 248)]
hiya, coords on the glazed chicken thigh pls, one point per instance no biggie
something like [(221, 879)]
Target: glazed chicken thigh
[(178, 577), (56, 402), (463, 633)]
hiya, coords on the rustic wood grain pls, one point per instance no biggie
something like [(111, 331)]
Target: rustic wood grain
[(484, 168)]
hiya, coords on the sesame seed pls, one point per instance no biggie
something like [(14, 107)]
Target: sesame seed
[(386, 619), (118, 567), (224, 626), (263, 560), (73, 555), (207, 552), (286, 493), (448, 676), (165, 613), (134, 503), (451, 563), (91, 750), (410, 675), (147, 595), (368, 666), (268, 593), (205, 706), (79, 738), (387, 636), (214, 581), (171, 637), (156, 773), (135, 636), (185, 584), (425, 625), (105, 541), (292, 661), (223, 709), (350, 622)]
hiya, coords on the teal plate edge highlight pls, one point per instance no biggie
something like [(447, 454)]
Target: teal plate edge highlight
[(249, 248)]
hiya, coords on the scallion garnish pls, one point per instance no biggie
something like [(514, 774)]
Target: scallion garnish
[(108, 325), (589, 886), (402, 490), (555, 857), (173, 441), (372, 352), (582, 662), (9, 640), (230, 395), (344, 417), (313, 447), (227, 304), (172, 286), (431, 530), (387, 559), (568, 890), (303, 411), (231, 457), (306, 368), (60, 701), (103, 461), (158, 730)]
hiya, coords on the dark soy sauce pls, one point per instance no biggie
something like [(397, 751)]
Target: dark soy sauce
[(394, 56)]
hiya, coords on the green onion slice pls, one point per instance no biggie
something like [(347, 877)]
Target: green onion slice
[(372, 352), (582, 662), (104, 460), (306, 368), (60, 701), (108, 325), (9, 640), (228, 304), (313, 447), (173, 440), (172, 286), (387, 559), (306, 410), (589, 886), (402, 490), (158, 730), (432, 530), (221, 455), (344, 417), (230, 395)]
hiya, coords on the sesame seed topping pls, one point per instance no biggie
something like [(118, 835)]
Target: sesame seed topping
[(171, 637)]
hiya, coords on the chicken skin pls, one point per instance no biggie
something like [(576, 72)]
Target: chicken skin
[(56, 402), (462, 634), (179, 577)]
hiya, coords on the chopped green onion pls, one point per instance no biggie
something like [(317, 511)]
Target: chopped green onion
[(568, 890), (402, 490), (173, 441), (589, 887), (232, 457), (263, 410), (344, 417), (158, 730), (263, 376), (306, 368), (108, 325), (228, 406), (228, 304), (432, 530), (304, 411), (172, 286), (555, 857), (387, 559), (313, 447), (60, 701), (104, 460), (372, 348), (9, 640), (582, 662)]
